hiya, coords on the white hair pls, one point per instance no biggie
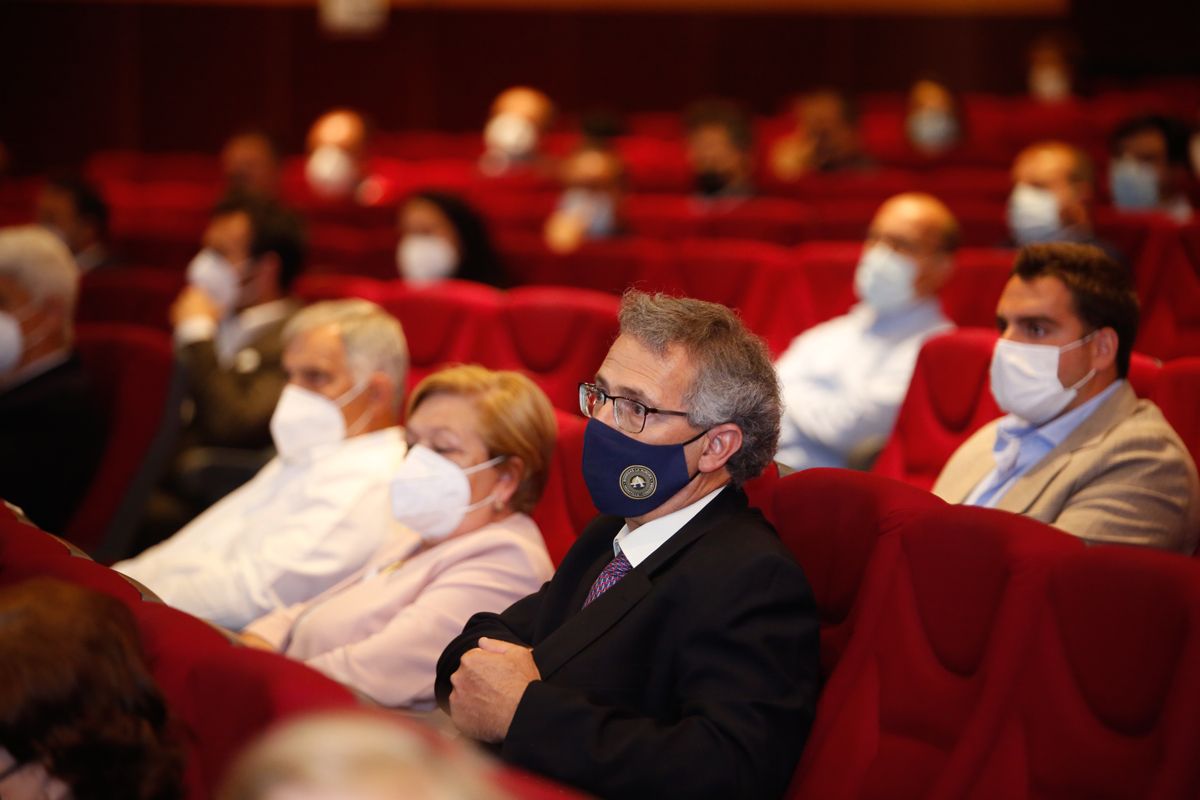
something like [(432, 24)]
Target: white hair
[(40, 263), (372, 337)]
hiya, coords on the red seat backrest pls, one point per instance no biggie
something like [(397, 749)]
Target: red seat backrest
[(1177, 393), (131, 295), (565, 506), (609, 265), (131, 368), (1169, 286), (944, 614), (970, 296), (830, 519), (1108, 701), (315, 288), (556, 335)]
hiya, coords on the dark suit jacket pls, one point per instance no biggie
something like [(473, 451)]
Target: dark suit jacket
[(52, 437), (695, 676), (233, 406)]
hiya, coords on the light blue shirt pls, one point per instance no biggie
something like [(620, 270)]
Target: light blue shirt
[(844, 380), (1020, 446)]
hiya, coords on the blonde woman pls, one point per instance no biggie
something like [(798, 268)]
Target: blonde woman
[(479, 448)]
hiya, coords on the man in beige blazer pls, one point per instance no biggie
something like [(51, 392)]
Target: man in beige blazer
[(1077, 449)]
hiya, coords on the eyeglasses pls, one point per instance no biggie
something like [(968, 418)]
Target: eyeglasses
[(630, 415)]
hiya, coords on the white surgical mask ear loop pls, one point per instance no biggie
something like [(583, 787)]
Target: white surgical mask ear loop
[(1072, 346), (345, 397), (479, 468)]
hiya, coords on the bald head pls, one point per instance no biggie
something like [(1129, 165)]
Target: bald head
[(920, 227), (1063, 170), (342, 128), (527, 102)]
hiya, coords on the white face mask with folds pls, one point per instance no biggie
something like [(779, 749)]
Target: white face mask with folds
[(331, 172), (1025, 379), (304, 420), (13, 341), (1034, 215), (1134, 185), (884, 279), (431, 494), (424, 258), (511, 135), (214, 275)]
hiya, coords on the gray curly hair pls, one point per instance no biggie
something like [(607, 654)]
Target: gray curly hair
[(735, 380)]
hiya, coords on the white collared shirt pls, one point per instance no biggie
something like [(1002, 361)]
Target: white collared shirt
[(294, 530), (640, 543)]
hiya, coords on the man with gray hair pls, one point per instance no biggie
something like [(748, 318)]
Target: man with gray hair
[(317, 511), (674, 652), (52, 434)]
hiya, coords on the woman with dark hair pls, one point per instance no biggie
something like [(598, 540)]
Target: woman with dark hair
[(80, 716), (441, 237)]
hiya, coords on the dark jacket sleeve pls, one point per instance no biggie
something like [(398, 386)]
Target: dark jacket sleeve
[(232, 409), (746, 695)]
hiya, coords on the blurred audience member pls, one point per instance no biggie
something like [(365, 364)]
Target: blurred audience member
[(1051, 76), (844, 380), (826, 139), (934, 122), (250, 163), (719, 143), (52, 434), (1149, 170), (339, 168), (1077, 449), (441, 237), (74, 211), (480, 444), (355, 755), (80, 714), (317, 511), (1053, 195), (593, 179), (512, 138)]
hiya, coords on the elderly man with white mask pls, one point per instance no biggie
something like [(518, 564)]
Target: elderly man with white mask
[(52, 434), (317, 511)]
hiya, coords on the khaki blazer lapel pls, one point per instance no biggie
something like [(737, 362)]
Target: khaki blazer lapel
[(1030, 486), (970, 466), (590, 623)]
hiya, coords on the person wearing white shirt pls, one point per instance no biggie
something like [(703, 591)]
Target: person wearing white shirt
[(674, 652), (320, 509), (844, 380)]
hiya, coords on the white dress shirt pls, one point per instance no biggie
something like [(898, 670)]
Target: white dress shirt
[(297, 528), (640, 543), (844, 380)]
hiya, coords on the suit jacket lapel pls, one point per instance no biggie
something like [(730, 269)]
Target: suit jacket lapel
[(584, 626), (1030, 486), (971, 470)]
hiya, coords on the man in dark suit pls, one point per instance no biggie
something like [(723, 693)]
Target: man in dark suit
[(674, 653), (52, 434)]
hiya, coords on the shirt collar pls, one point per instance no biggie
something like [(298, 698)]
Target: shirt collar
[(922, 308), (640, 543), (1056, 430)]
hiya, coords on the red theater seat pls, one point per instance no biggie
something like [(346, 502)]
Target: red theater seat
[(1108, 701), (1177, 393), (830, 519), (313, 288), (132, 370), (946, 610), (610, 265), (566, 506), (131, 295), (1169, 287), (556, 335)]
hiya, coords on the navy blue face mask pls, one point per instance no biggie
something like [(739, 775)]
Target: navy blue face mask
[(629, 478)]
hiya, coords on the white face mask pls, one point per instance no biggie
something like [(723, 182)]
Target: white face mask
[(431, 494), (423, 258), (212, 273), (1134, 184), (331, 172), (932, 130), (304, 420), (593, 207), (12, 342), (511, 135), (884, 279), (1025, 379), (1034, 215), (1049, 84)]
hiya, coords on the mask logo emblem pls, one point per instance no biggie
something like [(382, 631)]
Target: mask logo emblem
[(638, 482)]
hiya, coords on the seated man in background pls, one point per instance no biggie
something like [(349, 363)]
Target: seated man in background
[(512, 138), (250, 164), (1149, 170), (339, 169), (317, 511), (75, 212), (1078, 449), (52, 434), (826, 138), (593, 179), (227, 336), (719, 150), (934, 122), (844, 380), (1054, 192), (674, 652)]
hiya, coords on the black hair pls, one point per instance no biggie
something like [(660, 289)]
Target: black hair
[(86, 198), (479, 261), (1173, 131), (274, 229)]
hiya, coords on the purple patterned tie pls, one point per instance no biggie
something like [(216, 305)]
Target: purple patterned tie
[(617, 568)]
